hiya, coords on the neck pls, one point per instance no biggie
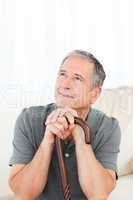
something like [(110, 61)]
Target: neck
[(82, 113)]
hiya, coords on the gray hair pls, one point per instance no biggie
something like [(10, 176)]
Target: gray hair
[(98, 74)]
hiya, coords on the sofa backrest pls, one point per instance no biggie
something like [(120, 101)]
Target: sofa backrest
[(118, 102)]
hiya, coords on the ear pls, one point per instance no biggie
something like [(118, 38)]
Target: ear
[(95, 93)]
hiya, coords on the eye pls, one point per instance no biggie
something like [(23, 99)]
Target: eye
[(78, 78), (62, 74)]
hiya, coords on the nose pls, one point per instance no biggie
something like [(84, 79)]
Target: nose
[(67, 83)]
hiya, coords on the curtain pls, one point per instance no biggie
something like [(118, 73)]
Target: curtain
[(37, 34)]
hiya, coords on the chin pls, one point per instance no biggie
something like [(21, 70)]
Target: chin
[(62, 103), (67, 103)]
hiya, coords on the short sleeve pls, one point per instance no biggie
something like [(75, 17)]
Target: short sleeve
[(108, 150), (23, 150)]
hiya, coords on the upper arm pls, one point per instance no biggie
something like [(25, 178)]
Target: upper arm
[(23, 150), (108, 149)]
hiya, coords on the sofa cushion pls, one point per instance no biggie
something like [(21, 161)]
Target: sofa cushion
[(118, 103), (7, 197), (124, 189)]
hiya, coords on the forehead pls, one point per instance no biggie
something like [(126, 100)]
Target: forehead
[(78, 64)]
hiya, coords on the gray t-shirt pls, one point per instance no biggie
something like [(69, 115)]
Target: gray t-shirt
[(29, 132)]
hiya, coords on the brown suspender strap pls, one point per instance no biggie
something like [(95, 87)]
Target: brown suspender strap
[(61, 160)]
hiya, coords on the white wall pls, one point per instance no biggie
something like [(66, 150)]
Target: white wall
[(36, 35)]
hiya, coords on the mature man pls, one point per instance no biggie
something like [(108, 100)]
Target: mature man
[(91, 167)]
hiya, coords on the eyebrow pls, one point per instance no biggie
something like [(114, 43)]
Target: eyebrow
[(77, 75), (62, 70)]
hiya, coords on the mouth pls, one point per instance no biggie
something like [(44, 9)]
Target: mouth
[(66, 95)]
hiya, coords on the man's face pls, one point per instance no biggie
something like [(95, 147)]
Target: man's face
[(74, 83)]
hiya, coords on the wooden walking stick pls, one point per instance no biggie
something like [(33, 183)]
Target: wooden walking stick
[(61, 160)]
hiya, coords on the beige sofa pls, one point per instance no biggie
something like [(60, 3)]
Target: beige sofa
[(118, 102)]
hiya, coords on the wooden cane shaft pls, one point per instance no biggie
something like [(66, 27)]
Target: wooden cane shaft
[(61, 160)]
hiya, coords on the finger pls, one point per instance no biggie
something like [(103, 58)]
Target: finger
[(59, 113), (62, 120), (63, 133), (49, 117), (53, 129), (71, 127), (55, 116), (67, 109), (52, 117), (74, 112), (60, 127), (69, 117)]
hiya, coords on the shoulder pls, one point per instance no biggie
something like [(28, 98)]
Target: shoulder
[(103, 127), (33, 116), (102, 120), (37, 111)]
